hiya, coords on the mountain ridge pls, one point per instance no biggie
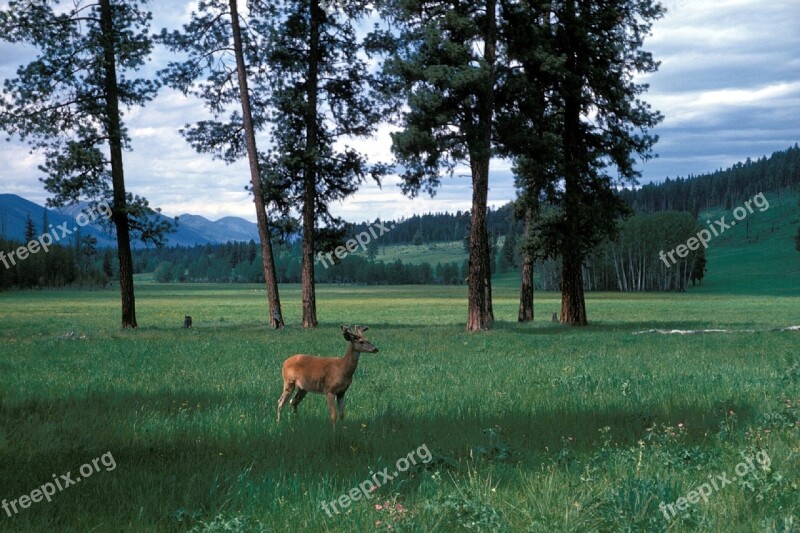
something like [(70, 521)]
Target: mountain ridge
[(191, 229)]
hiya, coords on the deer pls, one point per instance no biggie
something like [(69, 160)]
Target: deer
[(330, 376)]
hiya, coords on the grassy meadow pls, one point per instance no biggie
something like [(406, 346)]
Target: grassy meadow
[(535, 427), (530, 427)]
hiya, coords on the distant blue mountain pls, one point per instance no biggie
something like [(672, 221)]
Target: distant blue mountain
[(222, 230), (191, 229)]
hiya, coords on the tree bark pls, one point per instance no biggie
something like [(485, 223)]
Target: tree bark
[(268, 260), (119, 213), (573, 306), (310, 174), (479, 316), (526, 286), (480, 313)]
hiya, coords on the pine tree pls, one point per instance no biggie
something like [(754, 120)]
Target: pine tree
[(797, 240), (589, 57), (30, 229), (216, 48), (67, 102), (445, 65), (320, 94)]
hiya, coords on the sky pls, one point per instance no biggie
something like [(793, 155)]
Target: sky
[(728, 86)]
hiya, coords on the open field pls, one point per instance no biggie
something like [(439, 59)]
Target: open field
[(529, 427), (438, 252)]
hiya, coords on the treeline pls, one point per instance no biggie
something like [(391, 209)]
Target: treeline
[(241, 263), (637, 260), (629, 263), (81, 264), (437, 227), (728, 187)]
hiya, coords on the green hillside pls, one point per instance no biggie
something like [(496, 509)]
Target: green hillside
[(766, 263), (439, 252)]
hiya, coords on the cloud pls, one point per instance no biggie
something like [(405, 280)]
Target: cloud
[(728, 85)]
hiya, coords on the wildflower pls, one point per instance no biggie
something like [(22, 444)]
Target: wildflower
[(378, 507)]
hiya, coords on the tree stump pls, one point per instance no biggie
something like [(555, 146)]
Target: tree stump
[(187, 321)]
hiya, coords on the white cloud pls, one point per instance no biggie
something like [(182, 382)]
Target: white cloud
[(729, 86)]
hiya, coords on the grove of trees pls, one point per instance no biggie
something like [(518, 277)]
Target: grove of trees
[(548, 85)]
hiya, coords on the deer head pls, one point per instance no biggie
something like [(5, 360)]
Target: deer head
[(357, 339)]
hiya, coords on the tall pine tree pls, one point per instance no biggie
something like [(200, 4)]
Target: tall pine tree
[(321, 97), (229, 61), (445, 64), (594, 121), (68, 102)]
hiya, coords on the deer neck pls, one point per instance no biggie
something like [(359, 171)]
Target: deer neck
[(351, 360)]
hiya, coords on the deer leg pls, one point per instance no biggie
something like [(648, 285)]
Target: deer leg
[(331, 408), (340, 403), (301, 393), (288, 388)]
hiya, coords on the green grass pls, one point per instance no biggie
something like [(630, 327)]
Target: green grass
[(534, 427), (531, 427), (766, 262), (438, 252)]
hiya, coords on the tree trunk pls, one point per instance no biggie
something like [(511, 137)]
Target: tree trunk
[(310, 174), (480, 313), (526, 286), (573, 306), (268, 260), (119, 214)]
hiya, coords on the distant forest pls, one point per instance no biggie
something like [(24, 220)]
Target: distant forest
[(665, 215), (727, 188)]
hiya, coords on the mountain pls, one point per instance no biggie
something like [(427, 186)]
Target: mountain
[(222, 230), (191, 229)]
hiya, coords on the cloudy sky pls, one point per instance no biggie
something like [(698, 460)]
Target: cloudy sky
[(729, 87)]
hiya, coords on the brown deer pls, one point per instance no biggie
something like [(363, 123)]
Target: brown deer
[(330, 376)]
